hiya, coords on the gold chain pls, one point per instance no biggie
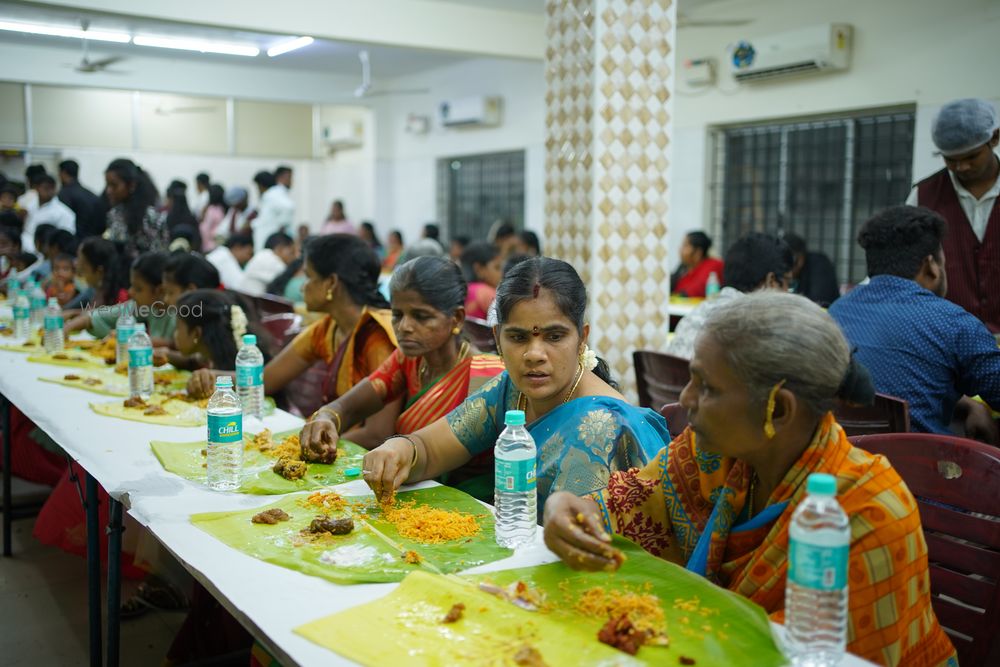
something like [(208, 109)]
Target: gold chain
[(522, 401), (462, 352)]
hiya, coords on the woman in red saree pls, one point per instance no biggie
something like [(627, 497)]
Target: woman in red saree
[(720, 497), (432, 372)]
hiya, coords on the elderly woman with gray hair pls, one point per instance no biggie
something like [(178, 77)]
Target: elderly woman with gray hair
[(765, 373)]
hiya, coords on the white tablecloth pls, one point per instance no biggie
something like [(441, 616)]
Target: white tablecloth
[(269, 600)]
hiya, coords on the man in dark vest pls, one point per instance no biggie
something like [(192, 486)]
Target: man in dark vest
[(965, 194)]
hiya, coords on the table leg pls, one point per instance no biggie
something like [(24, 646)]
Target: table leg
[(93, 572), (8, 503), (115, 530)]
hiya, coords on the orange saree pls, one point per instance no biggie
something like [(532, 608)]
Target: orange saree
[(687, 505)]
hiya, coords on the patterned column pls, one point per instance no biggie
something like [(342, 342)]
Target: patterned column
[(609, 73)]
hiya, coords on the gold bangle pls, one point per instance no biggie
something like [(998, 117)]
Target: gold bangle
[(334, 415), (410, 440)]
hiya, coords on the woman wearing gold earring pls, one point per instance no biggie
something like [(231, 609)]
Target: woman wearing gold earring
[(431, 373)]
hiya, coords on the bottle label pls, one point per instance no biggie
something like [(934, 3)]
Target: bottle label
[(141, 357), (21, 313), (818, 567), (124, 333), (515, 476), (53, 322), (38, 304), (225, 429), (249, 376)]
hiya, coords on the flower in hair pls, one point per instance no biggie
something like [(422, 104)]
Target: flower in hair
[(238, 323), (589, 358)]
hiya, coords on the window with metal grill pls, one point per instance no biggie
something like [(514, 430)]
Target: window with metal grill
[(820, 179), (474, 191)]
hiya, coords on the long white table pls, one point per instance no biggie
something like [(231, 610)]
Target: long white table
[(269, 600)]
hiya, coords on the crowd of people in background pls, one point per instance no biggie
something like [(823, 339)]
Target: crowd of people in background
[(384, 353)]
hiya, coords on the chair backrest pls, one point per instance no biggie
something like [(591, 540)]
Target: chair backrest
[(282, 327), (659, 377), (886, 415), (268, 304), (957, 486), (304, 394), (676, 416), (480, 334)]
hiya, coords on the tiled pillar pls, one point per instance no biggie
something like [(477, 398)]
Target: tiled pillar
[(609, 75)]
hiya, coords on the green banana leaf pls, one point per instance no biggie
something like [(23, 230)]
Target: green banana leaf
[(116, 384), (405, 626), (186, 459), (276, 544), (728, 629)]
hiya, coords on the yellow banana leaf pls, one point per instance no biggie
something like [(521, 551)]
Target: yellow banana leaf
[(187, 460), (283, 543), (179, 412), (705, 625), (71, 358), (109, 383)]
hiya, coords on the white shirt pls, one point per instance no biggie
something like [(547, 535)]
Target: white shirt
[(29, 202), (54, 212), (276, 213), (262, 268), (976, 210), (681, 344), (200, 202), (229, 269)]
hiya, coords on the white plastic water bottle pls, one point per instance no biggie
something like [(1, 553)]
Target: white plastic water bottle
[(22, 315), (515, 496), (225, 437), (140, 364), (37, 297), (124, 329), (53, 327), (250, 377), (816, 592), (712, 286)]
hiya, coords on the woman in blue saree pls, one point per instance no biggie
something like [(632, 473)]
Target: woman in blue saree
[(583, 428)]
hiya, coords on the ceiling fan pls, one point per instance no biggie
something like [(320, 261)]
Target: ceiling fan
[(88, 66), (365, 89)]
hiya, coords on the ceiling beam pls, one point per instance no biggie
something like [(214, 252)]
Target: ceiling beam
[(419, 24)]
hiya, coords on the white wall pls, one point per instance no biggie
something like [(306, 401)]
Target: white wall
[(405, 172), (915, 52)]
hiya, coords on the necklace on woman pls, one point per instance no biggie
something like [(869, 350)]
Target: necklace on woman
[(463, 351), (522, 402)]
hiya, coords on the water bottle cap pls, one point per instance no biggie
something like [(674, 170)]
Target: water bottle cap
[(821, 484), (223, 381), (53, 301), (514, 418), (249, 339)]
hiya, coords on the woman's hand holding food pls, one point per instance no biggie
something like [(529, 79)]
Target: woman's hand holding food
[(575, 533), (387, 466)]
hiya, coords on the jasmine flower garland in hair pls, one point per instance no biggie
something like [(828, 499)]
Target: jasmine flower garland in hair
[(238, 323), (588, 358)]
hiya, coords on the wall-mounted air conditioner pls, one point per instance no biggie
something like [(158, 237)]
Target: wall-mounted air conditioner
[(822, 48), (347, 134), (470, 112)]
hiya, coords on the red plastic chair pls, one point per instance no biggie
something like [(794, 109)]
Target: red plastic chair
[(268, 304), (963, 539), (282, 327), (676, 416), (887, 415), (659, 377), (480, 334)]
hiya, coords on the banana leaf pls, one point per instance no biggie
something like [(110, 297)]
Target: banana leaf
[(729, 630), (405, 628), (186, 459), (179, 411), (71, 358), (277, 543), (109, 383), (36, 343)]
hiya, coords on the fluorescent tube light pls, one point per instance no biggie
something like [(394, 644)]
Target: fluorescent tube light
[(290, 45), (202, 46), (61, 31)]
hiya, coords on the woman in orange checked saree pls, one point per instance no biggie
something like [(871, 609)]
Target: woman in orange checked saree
[(720, 497), (431, 373)]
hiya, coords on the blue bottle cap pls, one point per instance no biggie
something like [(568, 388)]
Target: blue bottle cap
[(514, 418), (249, 339), (821, 484)]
